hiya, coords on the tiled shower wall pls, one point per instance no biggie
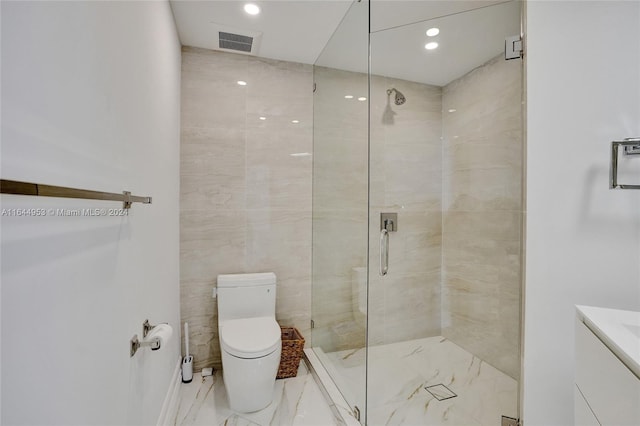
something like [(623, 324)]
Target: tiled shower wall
[(483, 209), (406, 178), (340, 205), (245, 202), (448, 162)]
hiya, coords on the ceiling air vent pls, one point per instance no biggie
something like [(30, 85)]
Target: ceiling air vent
[(237, 42)]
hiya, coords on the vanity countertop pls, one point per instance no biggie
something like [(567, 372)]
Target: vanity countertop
[(619, 330)]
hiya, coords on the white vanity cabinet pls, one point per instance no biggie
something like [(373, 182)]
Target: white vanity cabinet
[(607, 390)]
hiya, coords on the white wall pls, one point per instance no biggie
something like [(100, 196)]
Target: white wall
[(90, 99), (583, 240)]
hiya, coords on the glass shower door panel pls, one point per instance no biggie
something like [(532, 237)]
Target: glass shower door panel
[(340, 206), (405, 179), (445, 156)]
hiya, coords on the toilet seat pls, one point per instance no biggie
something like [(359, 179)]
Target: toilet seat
[(250, 337)]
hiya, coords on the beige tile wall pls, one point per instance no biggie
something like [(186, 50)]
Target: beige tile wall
[(406, 178), (245, 201), (454, 178), (340, 205), (483, 213)]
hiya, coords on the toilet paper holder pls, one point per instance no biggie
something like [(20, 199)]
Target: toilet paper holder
[(136, 344)]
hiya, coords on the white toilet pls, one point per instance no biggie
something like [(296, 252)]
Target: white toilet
[(249, 338)]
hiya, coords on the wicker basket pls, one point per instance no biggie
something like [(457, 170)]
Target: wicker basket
[(292, 350)]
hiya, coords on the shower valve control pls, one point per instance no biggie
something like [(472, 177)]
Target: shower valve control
[(389, 221)]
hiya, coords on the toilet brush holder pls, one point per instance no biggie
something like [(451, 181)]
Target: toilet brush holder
[(187, 369), (187, 361)]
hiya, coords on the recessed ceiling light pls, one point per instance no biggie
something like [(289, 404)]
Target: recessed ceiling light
[(348, 96), (295, 121), (301, 154), (362, 98), (432, 32), (430, 46), (452, 110), (242, 83), (263, 118), (251, 9)]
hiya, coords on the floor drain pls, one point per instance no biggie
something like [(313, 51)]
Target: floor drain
[(440, 392)]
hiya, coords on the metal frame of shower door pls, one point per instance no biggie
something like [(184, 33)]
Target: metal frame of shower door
[(523, 204)]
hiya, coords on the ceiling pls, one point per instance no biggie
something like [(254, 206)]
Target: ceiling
[(291, 30), (310, 31)]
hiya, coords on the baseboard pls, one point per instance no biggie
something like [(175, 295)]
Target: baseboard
[(170, 404)]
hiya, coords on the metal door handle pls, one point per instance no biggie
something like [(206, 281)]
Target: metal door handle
[(384, 252)]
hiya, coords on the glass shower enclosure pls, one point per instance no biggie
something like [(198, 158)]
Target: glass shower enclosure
[(418, 210)]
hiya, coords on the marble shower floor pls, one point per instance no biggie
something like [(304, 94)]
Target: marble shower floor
[(399, 373), (297, 402)]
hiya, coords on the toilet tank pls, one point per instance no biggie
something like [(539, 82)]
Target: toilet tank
[(246, 296)]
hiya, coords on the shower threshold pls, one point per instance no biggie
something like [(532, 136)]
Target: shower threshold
[(334, 398)]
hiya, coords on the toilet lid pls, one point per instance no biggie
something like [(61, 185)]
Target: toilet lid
[(250, 337)]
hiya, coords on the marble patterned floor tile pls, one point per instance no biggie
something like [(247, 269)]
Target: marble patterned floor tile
[(399, 373), (297, 402)]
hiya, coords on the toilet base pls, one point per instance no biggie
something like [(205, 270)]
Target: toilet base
[(250, 382)]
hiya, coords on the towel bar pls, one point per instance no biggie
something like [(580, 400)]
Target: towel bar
[(631, 147), (26, 188)]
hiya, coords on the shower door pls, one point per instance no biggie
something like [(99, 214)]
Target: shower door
[(417, 212), (340, 206), (444, 271)]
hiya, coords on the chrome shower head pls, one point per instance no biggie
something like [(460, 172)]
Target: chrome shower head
[(399, 98)]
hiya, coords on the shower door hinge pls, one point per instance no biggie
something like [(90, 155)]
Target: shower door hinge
[(356, 412), (509, 421), (313, 324), (513, 47)]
